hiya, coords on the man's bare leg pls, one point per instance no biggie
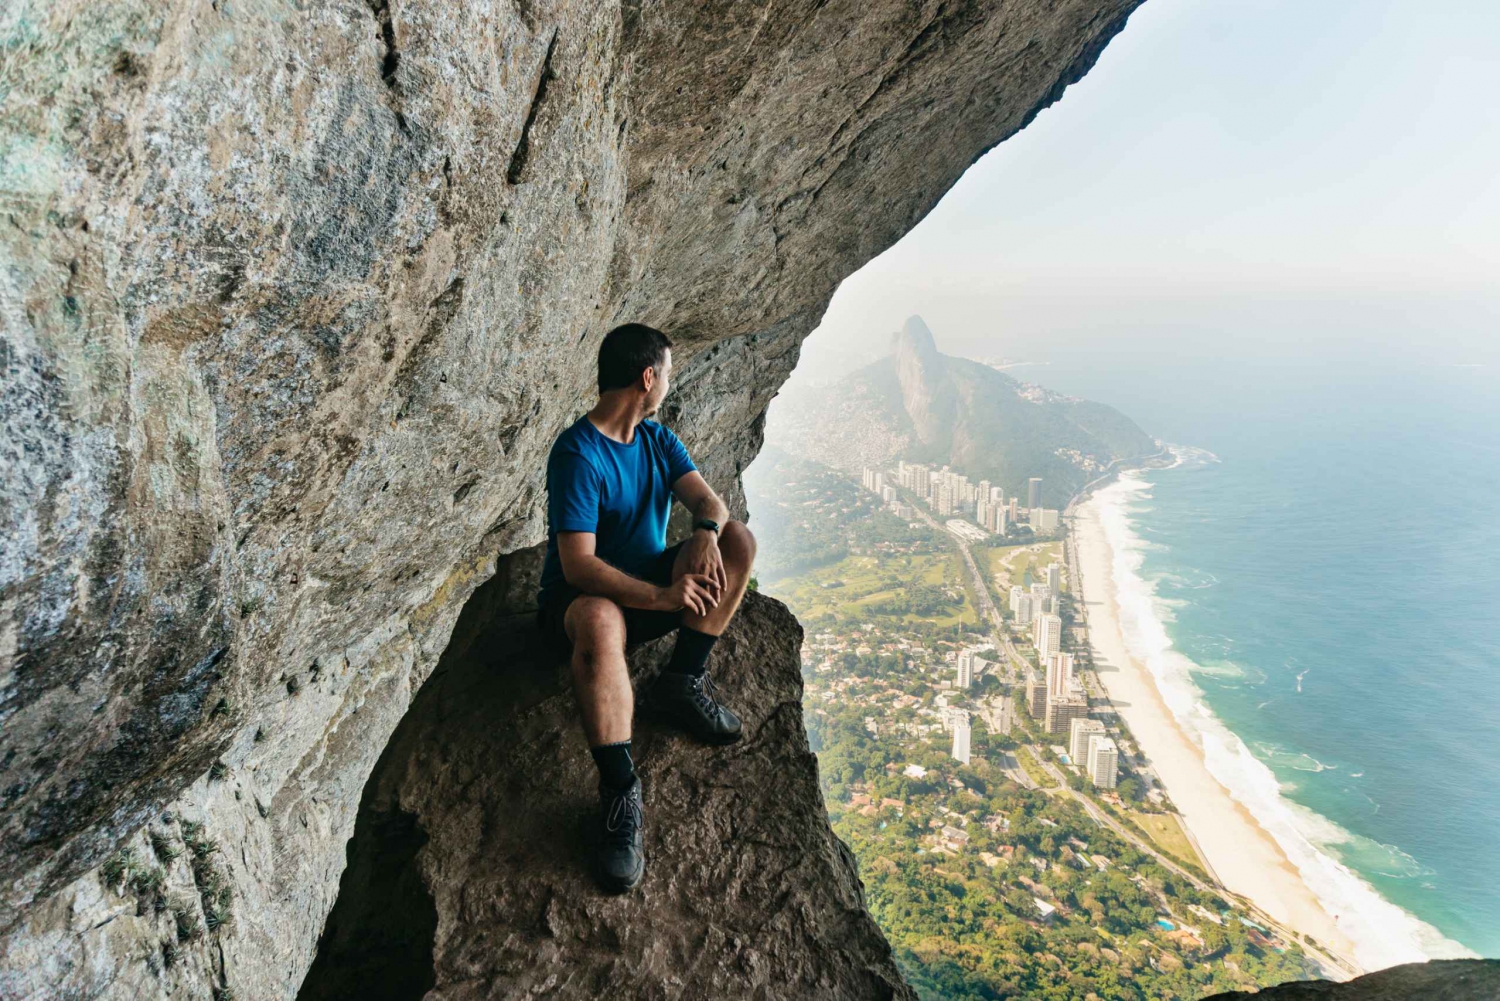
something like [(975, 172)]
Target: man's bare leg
[(601, 679), (601, 683), (683, 693)]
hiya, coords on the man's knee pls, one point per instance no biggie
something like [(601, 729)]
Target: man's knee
[(737, 544), (595, 624)]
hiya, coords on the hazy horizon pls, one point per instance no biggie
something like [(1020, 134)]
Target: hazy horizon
[(1241, 176)]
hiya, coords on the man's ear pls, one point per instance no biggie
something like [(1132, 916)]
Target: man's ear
[(648, 378)]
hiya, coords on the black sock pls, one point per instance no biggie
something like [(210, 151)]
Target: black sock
[(615, 767), (690, 655)]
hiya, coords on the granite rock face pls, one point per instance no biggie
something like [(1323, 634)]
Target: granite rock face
[(293, 300), (1440, 980), (468, 873), (927, 391)]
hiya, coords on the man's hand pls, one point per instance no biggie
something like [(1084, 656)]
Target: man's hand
[(704, 558), (696, 592)]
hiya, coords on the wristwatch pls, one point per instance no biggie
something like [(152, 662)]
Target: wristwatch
[(712, 526)]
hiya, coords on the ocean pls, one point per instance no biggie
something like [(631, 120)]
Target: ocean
[(1317, 591)]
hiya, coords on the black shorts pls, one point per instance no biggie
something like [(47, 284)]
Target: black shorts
[(641, 625)]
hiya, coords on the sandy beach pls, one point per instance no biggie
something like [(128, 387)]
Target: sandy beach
[(1245, 858)]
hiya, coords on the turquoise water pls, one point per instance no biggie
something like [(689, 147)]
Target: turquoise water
[(1333, 580)]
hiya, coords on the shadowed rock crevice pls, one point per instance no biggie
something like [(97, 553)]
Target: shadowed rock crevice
[(479, 821), (516, 172), (378, 942)]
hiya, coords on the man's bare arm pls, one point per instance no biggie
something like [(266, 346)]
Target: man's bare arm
[(699, 498), (586, 571), (703, 547)]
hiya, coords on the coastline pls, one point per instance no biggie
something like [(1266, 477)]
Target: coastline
[(1244, 856)]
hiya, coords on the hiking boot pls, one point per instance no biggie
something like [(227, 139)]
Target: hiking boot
[(621, 859), (689, 701)]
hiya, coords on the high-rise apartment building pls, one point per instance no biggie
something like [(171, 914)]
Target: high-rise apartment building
[(1104, 762), (1054, 577), (1059, 674), (1036, 697), (1015, 510), (1047, 636), (1061, 712), (944, 499), (1078, 745), (1034, 492), (961, 739), (1016, 590), (1024, 606), (1043, 520), (965, 669)]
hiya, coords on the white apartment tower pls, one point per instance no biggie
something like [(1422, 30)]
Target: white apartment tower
[(965, 669), (1048, 636), (961, 738), (1024, 606), (1059, 674), (1104, 762), (1078, 744)]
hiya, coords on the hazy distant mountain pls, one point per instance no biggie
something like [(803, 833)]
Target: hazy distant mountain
[(924, 406)]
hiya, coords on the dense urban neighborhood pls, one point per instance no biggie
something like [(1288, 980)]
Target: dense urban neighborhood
[(1011, 839)]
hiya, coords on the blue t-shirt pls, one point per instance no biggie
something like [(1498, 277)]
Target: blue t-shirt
[(621, 493)]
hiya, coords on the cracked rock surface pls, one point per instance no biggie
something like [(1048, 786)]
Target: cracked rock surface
[(1440, 980), (468, 875), (294, 298)]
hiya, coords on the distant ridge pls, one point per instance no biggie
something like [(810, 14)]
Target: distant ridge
[(924, 406)]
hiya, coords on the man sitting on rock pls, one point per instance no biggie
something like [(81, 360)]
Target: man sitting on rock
[(610, 580)]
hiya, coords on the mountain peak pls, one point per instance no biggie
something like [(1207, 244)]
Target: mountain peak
[(926, 389), (918, 336)]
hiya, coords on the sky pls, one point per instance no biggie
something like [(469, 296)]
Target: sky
[(1255, 175)]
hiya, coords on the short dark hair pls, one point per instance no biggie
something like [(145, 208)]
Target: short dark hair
[(627, 351)]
